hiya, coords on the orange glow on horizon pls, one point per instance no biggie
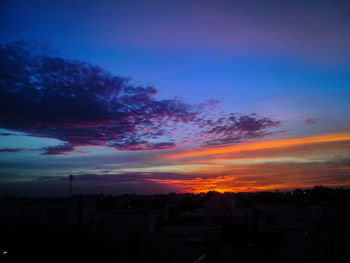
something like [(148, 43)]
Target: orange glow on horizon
[(266, 165), (219, 184)]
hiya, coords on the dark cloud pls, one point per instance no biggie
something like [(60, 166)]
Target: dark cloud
[(122, 177), (82, 184), (80, 104), (119, 183), (7, 134), (10, 150), (310, 121)]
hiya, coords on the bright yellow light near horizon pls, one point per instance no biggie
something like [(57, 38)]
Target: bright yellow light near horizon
[(4, 252)]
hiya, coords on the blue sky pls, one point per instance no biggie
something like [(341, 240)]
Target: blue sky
[(284, 60)]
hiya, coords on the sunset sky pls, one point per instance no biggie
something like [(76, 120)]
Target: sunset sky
[(173, 96)]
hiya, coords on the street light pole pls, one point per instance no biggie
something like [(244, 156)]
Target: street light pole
[(70, 185)]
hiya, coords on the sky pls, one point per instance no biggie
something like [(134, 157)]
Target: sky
[(153, 97)]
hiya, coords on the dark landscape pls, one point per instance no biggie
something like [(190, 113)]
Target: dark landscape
[(304, 225)]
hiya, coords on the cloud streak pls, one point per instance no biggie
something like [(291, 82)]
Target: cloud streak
[(264, 145), (4, 150)]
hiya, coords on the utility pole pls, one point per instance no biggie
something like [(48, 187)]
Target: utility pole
[(70, 185)]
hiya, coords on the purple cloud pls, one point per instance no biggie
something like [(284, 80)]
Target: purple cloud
[(235, 128), (81, 104), (59, 149)]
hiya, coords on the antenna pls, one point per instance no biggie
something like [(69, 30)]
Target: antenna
[(70, 185)]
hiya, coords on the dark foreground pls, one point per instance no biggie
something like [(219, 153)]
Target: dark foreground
[(299, 226)]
